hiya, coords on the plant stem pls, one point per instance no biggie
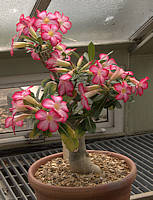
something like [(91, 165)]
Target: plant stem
[(80, 161)]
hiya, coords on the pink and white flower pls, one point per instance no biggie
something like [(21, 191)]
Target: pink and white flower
[(21, 94), (124, 91), (65, 86), (15, 121), (143, 84), (84, 100), (34, 55), (63, 21), (45, 18), (58, 105), (49, 32), (24, 24), (48, 120), (100, 74), (108, 63)]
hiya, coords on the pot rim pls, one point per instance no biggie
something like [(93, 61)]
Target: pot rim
[(116, 184)]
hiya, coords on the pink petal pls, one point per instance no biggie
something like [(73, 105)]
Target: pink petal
[(19, 123), (38, 23), (118, 87), (96, 79), (61, 88), (56, 116), (94, 69), (45, 36), (64, 115), (105, 72), (119, 96), (84, 102), (67, 25), (56, 98), (45, 27), (125, 98), (8, 122), (63, 29), (43, 125), (111, 61), (139, 91), (51, 16), (41, 115), (103, 56), (64, 106), (53, 41), (53, 126), (42, 14), (47, 103), (81, 88), (65, 77), (54, 28)]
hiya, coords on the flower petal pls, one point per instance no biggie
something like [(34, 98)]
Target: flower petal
[(41, 115)]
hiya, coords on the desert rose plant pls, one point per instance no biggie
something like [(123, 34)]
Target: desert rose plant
[(76, 91)]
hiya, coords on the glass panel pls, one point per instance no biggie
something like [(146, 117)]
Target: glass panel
[(10, 12), (103, 21), (5, 104)]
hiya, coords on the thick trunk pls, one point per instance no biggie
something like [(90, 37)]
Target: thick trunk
[(80, 161)]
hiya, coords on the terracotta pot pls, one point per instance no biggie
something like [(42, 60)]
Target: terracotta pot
[(119, 190)]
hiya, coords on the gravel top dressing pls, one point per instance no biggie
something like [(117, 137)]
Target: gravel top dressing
[(57, 172)]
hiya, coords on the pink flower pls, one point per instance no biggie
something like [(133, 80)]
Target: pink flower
[(143, 84), (12, 47), (48, 120), (15, 121), (84, 100), (34, 55), (124, 91), (49, 32), (64, 22), (127, 73), (65, 86), (100, 74), (10, 121), (58, 105), (24, 25), (108, 63), (45, 18), (21, 94)]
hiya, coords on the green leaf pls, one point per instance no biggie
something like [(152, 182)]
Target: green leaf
[(91, 51), (29, 38), (90, 125), (68, 136), (86, 56), (98, 106)]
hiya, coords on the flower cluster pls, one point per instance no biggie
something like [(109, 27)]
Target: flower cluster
[(76, 92)]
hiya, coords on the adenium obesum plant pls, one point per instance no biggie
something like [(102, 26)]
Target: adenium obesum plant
[(75, 93)]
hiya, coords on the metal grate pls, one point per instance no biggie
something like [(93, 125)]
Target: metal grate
[(13, 169)]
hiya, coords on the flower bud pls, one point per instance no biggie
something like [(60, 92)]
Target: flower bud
[(63, 63), (21, 117), (91, 87), (33, 33), (17, 45), (31, 100), (80, 61), (91, 93)]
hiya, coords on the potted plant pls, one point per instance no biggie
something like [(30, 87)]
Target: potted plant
[(73, 96)]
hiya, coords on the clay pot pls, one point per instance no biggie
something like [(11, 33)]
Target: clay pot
[(119, 190)]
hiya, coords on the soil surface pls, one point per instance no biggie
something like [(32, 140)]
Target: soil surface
[(57, 172)]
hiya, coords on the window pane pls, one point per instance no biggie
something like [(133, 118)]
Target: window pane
[(103, 21), (10, 12)]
